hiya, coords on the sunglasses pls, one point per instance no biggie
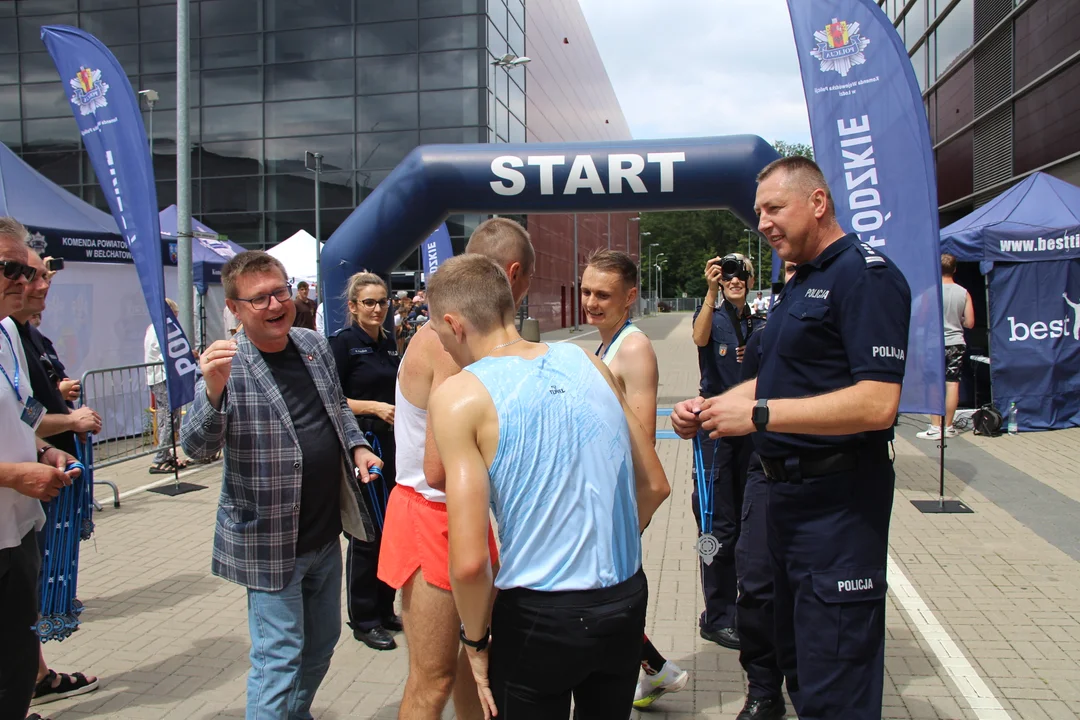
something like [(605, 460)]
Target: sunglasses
[(13, 269)]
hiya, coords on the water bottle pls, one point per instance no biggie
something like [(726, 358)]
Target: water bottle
[(1012, 419)]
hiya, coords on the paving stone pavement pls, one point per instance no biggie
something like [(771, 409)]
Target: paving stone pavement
[(983, 617)]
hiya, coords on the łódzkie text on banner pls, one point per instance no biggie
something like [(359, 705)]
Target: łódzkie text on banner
[(111, 126), (872, 141), (437, 250)]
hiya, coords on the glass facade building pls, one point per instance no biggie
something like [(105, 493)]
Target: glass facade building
[(361, 81), (1001, 83)]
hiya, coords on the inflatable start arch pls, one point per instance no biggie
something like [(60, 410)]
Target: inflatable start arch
[(434, 181)]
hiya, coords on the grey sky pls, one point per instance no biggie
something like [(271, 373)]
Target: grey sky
[(689, 68)]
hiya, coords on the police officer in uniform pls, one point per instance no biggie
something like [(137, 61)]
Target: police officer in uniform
[(723, 324), (753, 565), (367, 362), (823, 405)]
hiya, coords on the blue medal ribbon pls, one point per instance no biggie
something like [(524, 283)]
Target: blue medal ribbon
[(15, 359), (706, 497), (376, 490), (613, 339)]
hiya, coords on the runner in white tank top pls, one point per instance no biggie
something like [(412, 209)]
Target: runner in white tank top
[(410, 430), (608, 291)]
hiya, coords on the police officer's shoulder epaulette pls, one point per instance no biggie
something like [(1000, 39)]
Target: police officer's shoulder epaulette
[(871, 256), (339, 331)]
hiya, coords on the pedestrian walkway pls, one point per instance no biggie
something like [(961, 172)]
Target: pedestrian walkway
[(983, 617)]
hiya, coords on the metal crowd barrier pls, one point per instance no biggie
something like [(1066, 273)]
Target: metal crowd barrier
[(121, 396)]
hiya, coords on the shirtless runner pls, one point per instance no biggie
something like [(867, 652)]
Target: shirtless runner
[(608, 290), (415, 554)]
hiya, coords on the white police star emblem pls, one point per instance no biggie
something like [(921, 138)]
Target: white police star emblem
[(840, 47)]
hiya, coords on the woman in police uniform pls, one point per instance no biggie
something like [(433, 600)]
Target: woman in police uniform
[(367, 362)]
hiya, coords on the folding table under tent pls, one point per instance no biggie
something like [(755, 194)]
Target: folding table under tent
[(1027, 243)]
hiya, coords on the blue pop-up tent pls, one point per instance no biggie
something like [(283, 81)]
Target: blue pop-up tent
[(63, 225), (1027, 243), (209, 250)]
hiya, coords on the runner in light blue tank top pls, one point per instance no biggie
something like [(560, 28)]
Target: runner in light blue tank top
[(562, 482)]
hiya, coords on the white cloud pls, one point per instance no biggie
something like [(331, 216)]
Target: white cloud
[(691, 68)]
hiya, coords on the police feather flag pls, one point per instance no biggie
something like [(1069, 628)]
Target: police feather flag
[(872, 141), (437, 250), (111, 126)]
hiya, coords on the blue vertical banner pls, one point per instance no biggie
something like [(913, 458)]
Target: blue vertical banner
[(111, 125), (872, 141), (437, 250)]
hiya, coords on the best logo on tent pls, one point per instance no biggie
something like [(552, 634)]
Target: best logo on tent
[(1052, 330)]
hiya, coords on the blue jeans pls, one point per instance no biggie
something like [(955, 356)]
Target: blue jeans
[(293, 634)]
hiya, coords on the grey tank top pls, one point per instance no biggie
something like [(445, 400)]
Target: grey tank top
[(953, 301)]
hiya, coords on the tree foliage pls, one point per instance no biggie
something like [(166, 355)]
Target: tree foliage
[(689, 239)]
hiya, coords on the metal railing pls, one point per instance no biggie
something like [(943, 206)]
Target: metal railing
[(122, 397)]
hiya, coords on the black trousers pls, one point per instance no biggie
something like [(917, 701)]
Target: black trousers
[(549, 646), (755, 623), (725, 461), (18, 614), (370, 600), (829, 538)]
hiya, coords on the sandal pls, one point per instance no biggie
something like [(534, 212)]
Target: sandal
[(69, 686), (167, 467)]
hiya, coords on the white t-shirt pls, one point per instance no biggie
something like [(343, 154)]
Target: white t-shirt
[(152, 354), (320, 320), (19, 514), (231, 321)]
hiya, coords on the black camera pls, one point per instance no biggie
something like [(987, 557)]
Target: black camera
[(734, 266), (54, 264)]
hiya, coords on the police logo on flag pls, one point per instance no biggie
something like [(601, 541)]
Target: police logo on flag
[(840, 47), (89, 90)]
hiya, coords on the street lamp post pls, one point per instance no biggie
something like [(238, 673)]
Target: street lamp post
[(651, 246), (577, 290), (660, 281), (151, 97), (656, 295), (638, 255), (313, 162)]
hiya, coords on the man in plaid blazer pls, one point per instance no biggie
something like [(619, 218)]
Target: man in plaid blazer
[(270, 399)]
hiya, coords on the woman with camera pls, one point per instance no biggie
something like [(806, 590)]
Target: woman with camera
[(367, 362)]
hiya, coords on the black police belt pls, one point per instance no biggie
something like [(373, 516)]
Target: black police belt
[(793, 469)]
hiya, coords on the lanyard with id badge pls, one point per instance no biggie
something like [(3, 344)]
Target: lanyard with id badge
[(33, 412)]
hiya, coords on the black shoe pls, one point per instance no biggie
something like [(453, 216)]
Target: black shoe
[(763, 709), (725, 637), (376, 638), (393, 623)]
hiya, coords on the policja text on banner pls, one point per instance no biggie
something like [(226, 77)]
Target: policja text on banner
[(111, 126)]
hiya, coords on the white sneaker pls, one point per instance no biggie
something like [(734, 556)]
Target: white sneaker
[(671, 678), (932, 432)]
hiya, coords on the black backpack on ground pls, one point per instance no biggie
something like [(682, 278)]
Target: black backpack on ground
[(987, 421)]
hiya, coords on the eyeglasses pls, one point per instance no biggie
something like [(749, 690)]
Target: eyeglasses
[(13, 269), (370, 303), (261, 302)]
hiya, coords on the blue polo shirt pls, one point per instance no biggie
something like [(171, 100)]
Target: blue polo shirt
[(717, 363), (843, 318)]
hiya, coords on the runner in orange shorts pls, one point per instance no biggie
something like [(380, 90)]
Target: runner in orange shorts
[(415, 545)]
